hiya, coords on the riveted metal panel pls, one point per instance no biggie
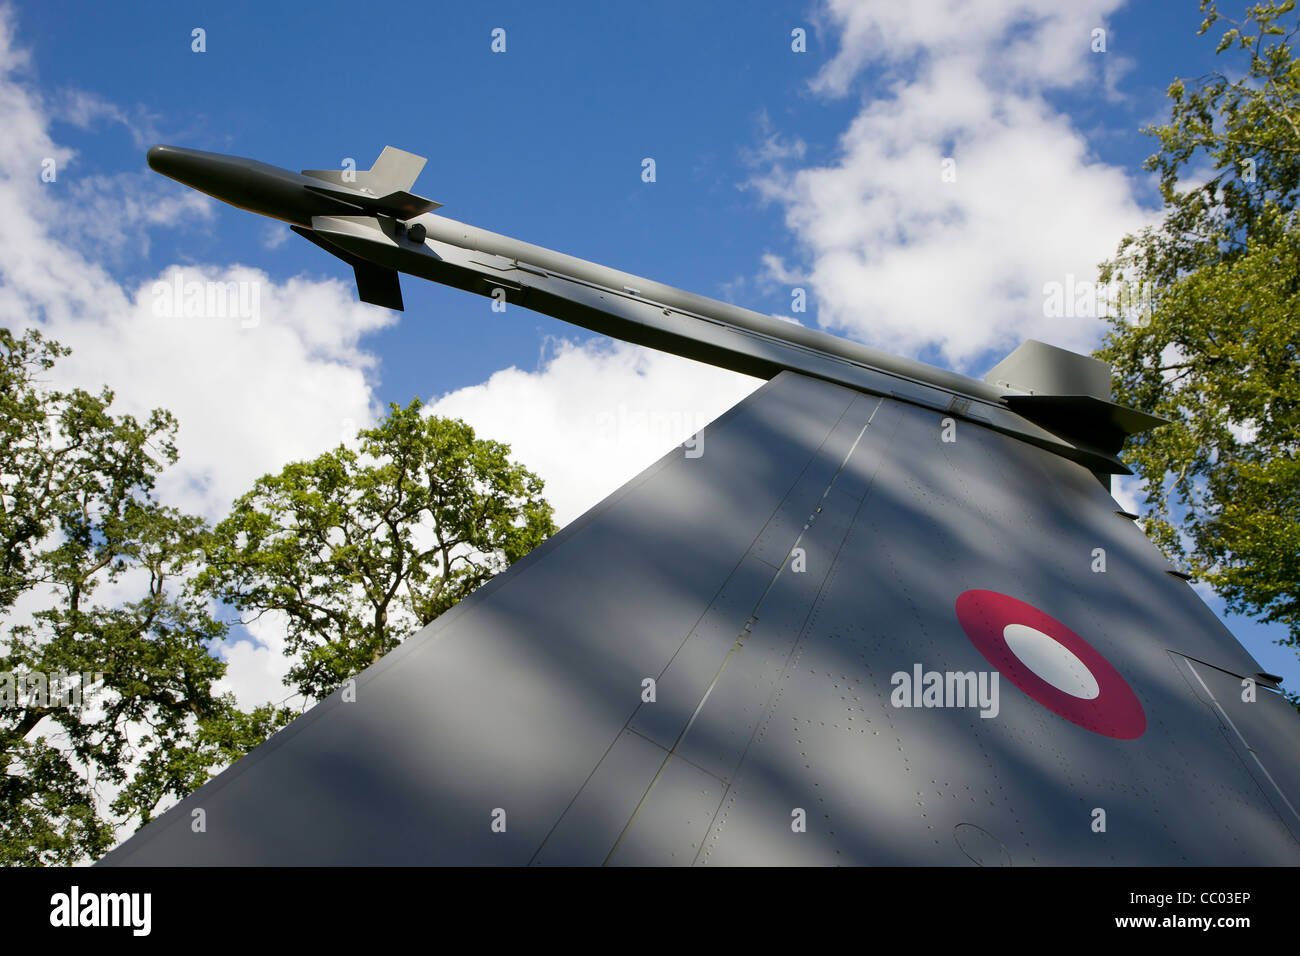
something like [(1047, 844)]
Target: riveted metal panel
[(945, 785), (671, 821), (503, 728)]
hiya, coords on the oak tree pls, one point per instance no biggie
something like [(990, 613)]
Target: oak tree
[(358, 549)]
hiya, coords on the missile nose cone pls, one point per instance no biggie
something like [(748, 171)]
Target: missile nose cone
[(173, 161), (246, 184), (220, 176), (157, 157)]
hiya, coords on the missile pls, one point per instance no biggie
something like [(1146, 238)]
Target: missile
[(302, 198), (369, 218)]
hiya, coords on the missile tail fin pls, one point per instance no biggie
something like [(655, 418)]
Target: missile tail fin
[(377, 285), (394, 171)]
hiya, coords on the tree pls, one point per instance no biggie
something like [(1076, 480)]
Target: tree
[(77, 517), (358, 550), (1218, 351)]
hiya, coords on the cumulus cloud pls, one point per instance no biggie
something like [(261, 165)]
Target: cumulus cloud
[(117, 213), (958, 192), (595, 415), (84, 109), (256, 669)]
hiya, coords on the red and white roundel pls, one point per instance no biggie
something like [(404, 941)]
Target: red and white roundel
[(1051, 663)]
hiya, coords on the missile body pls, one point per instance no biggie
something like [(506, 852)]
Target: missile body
[(349, 220), (1047, 396)]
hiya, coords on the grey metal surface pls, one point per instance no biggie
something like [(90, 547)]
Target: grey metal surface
[(773, 684), (1260, 726), (890, 785)]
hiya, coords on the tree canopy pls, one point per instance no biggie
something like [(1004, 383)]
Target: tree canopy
[(358, 549), (107, 663), (1218, 351), (105, 667)]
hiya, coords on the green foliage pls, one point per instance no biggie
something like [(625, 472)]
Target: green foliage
[(99, 566), (1219, 351), (358, 550)]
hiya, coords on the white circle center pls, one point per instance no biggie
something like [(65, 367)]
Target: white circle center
[(1051, 660)]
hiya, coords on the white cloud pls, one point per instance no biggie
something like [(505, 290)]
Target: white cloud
[(1246, 432), (773, 147), (899, 257), (1127, 490), (116, 213), (275, 235), (256, 669), (595, 415), (84, 109), (777, 270)]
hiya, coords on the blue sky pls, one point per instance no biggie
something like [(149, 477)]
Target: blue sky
[(773, 169)]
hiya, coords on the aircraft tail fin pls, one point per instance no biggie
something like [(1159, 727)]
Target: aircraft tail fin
[(821, 613)]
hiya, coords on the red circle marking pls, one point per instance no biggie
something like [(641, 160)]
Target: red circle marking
[(1114, 712)]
